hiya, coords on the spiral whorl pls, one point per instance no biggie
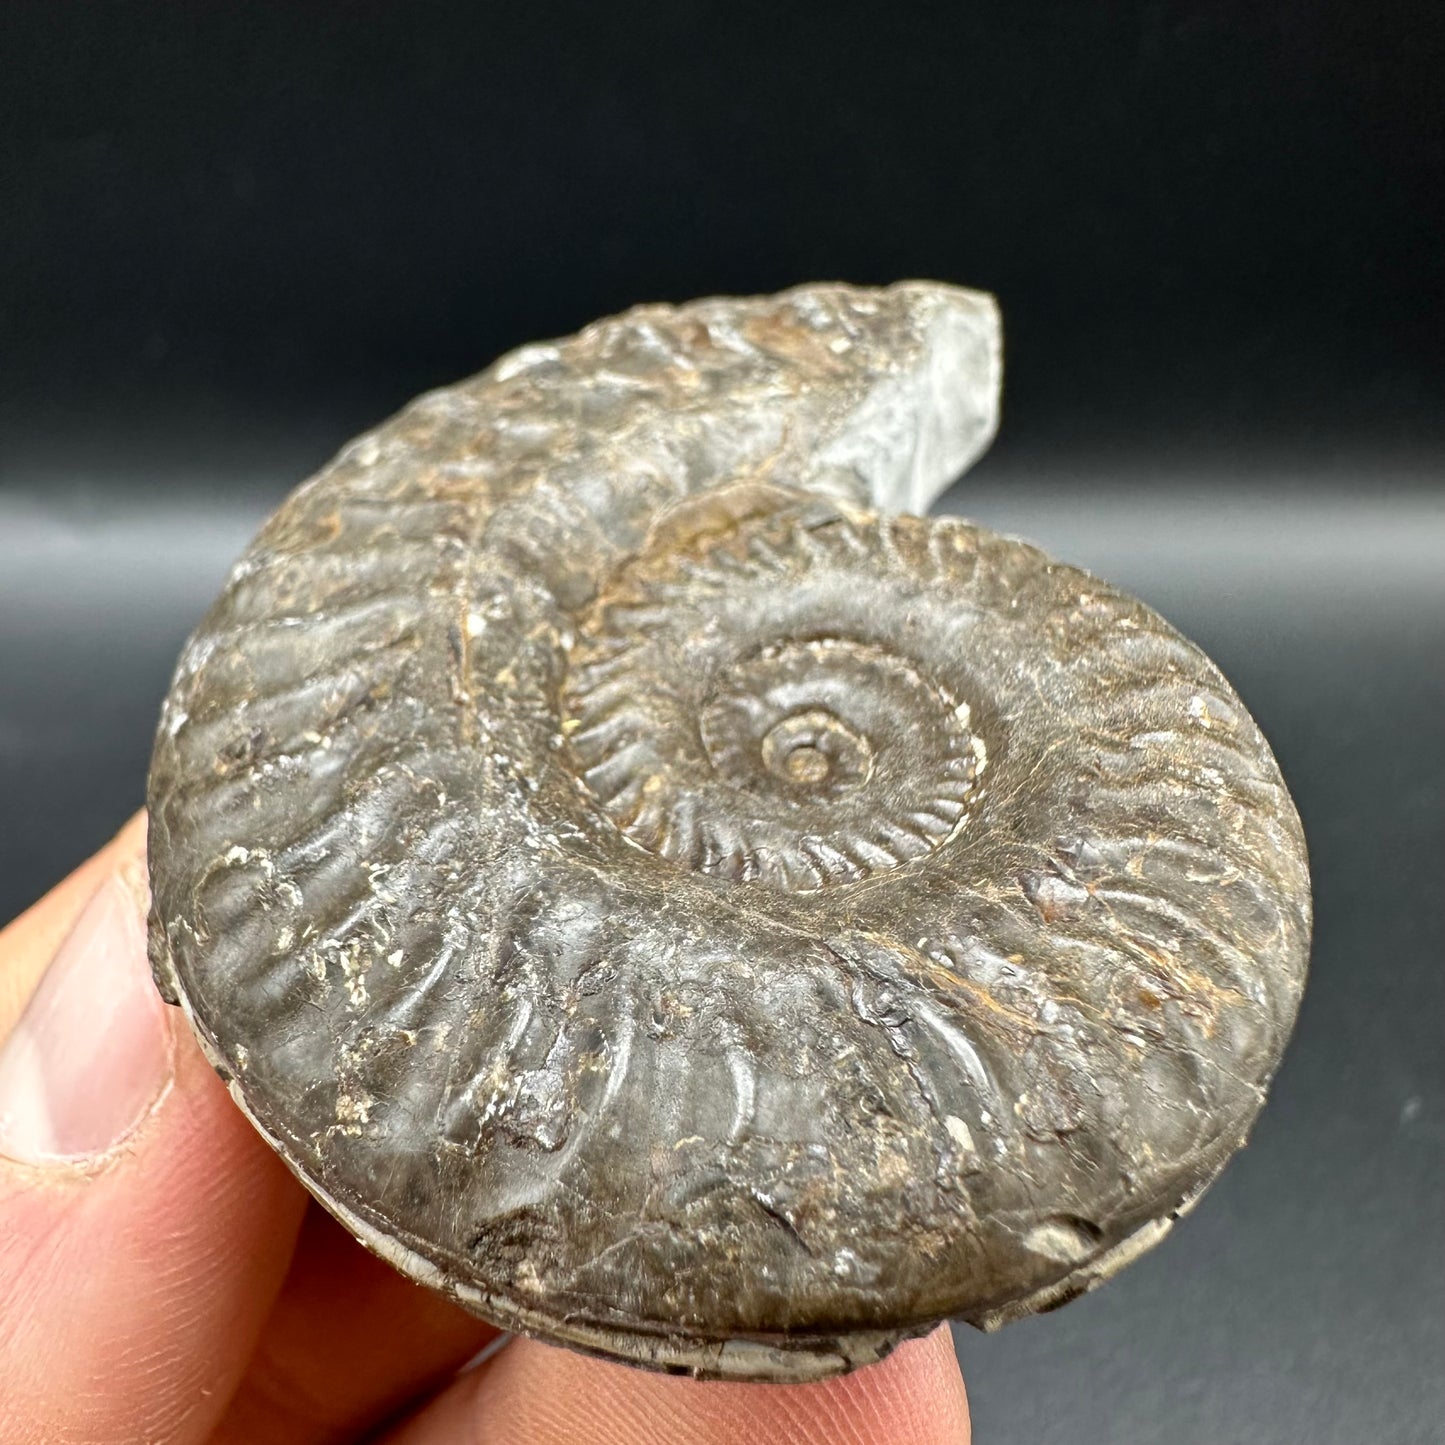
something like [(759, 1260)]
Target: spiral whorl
[(742, 706), (655, 891)]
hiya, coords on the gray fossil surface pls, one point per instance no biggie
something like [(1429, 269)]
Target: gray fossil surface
[(654, 889)]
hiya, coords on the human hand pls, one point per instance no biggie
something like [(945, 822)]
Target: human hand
[(163, 1278)]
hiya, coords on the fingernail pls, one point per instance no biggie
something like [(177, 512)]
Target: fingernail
[(91, 1055)]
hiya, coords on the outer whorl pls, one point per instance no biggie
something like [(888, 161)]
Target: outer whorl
[(652, 892)]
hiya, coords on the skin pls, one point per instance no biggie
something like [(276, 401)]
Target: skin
[(182, 1288)]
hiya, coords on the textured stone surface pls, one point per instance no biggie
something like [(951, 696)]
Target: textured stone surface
[(682, 909)]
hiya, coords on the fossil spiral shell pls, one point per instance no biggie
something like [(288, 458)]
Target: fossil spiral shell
[(653, 888)]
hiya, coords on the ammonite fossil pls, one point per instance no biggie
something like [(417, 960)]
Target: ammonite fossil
[(650, 889)]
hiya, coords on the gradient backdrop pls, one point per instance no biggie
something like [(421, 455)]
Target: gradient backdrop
[(232, 236)]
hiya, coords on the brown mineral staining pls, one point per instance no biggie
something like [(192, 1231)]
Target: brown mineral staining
[(658, 894)]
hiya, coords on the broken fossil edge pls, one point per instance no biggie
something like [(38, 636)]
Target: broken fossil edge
[(925, 412)]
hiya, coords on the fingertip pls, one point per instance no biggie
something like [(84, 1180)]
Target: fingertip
[(29, 941), (159, 1265), (131, 837), (144, 1226), (531, 1393)]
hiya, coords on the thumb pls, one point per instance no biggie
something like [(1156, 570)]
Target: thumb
[(144, 1228)]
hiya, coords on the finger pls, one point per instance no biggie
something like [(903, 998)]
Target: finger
[(30, 942), (144, 1227), (350, 1344), (532, 1393)]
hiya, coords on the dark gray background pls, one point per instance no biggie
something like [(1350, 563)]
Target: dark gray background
[(230, 237)]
